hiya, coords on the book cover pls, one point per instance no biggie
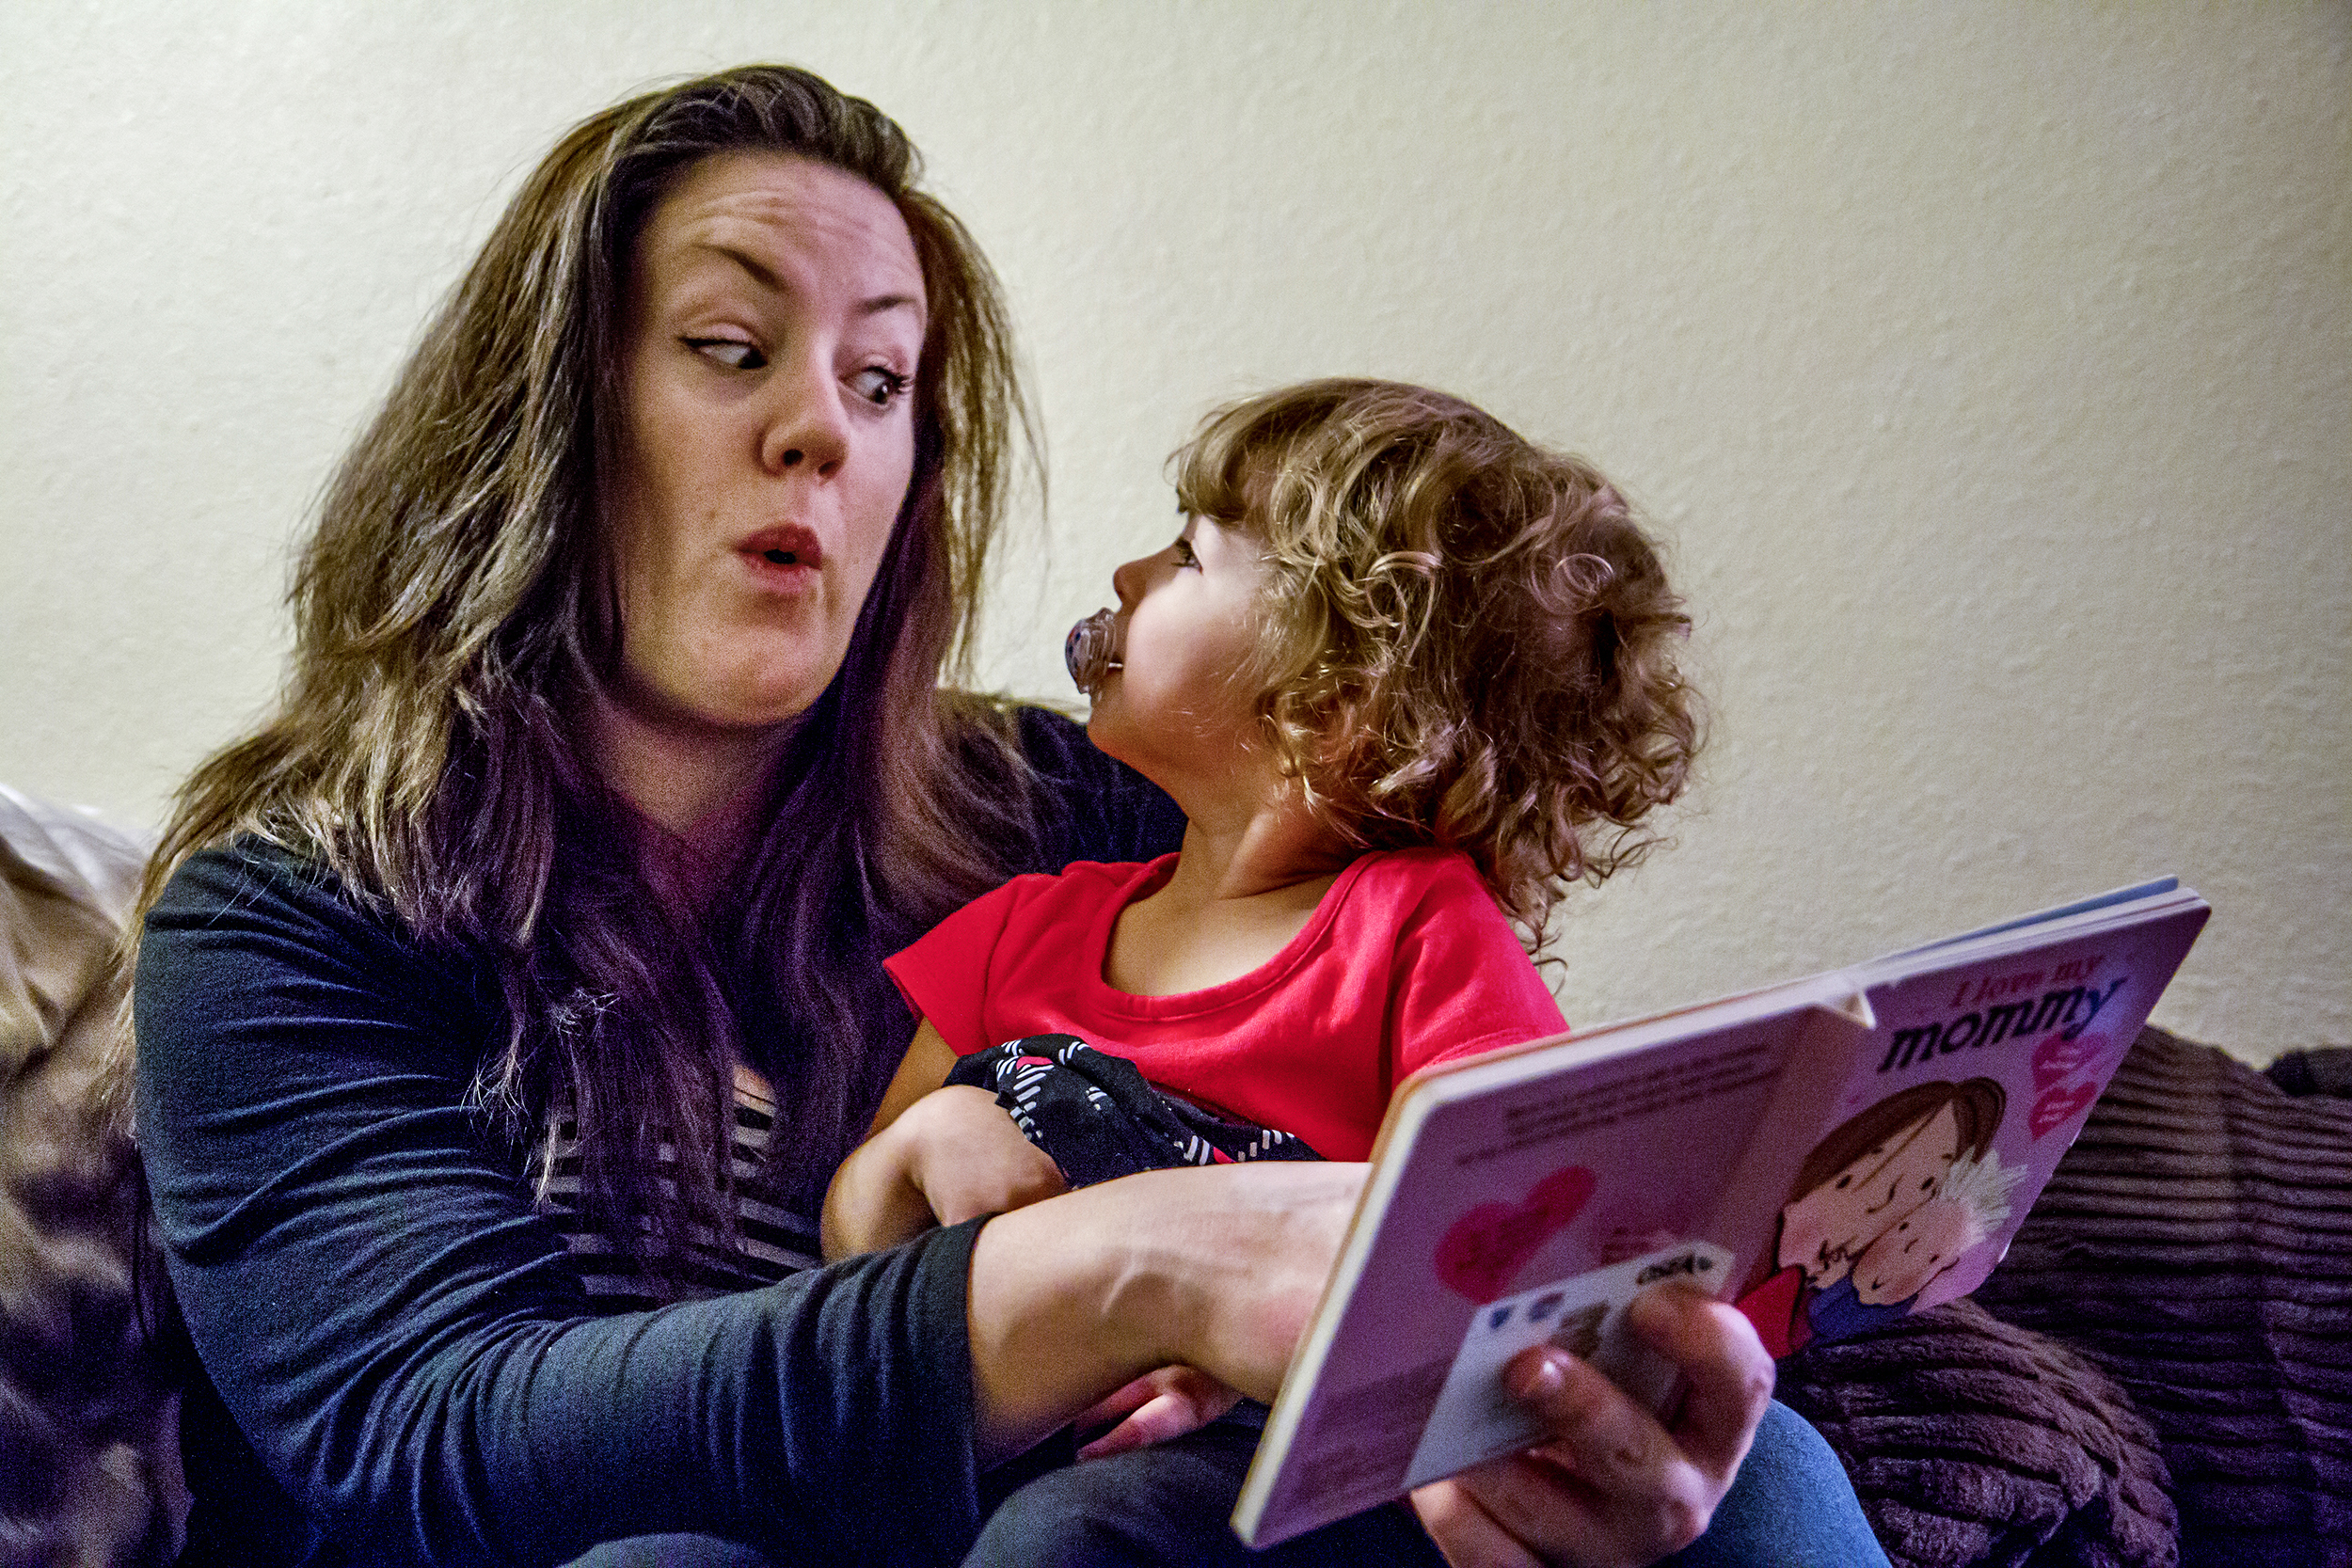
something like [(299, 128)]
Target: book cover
[(1829, 1153)]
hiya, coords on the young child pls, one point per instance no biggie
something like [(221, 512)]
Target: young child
[(1405, 673)]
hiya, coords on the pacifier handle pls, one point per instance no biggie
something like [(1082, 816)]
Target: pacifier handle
[(1086, 651)]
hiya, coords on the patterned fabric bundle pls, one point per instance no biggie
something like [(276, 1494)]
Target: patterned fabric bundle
[(1097, 1119)]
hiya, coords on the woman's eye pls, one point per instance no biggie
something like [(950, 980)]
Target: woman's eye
[(1184, 554), (734, 353), (881, 386)]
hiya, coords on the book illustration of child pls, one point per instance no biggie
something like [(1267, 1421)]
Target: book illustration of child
[(1406, 674), (1868, 1176), (1969, 1205)]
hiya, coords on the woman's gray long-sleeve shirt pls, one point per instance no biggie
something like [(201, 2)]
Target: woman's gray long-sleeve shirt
[(399, 1362)]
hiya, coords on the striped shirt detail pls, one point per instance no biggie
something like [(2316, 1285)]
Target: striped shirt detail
[(772, 1241)]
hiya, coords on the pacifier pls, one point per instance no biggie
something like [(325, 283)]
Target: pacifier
[(1088, 651)]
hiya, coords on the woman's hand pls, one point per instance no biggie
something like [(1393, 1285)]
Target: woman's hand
[(1612, 1487)]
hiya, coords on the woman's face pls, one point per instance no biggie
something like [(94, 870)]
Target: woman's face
[(777, 315), (1906, 1258), (1826, 1228)]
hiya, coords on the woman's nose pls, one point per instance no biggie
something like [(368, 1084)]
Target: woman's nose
[(806, 426)]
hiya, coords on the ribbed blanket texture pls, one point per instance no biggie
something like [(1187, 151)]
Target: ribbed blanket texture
[(2196, 1242), (1972, 1441)]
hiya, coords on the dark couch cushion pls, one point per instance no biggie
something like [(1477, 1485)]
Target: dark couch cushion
[(88, 1453), (2197, 1243), (1972, 1441)]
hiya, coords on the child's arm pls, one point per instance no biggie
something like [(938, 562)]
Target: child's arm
[(934, 1156)]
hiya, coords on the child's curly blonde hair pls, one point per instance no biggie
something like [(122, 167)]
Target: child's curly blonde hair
[(1468, 639)]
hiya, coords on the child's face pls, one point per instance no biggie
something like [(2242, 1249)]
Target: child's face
[(1902, 1260), (1180, 706)]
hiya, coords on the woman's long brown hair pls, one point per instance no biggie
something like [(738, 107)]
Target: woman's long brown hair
[(455, 608)]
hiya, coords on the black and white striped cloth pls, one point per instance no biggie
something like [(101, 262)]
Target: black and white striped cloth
[(771, 1241)]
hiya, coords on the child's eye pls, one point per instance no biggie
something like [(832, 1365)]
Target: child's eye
[(881, 386), (1184, 554), (734, 353)]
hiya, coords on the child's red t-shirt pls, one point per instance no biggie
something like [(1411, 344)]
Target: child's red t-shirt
[(1406, 961)]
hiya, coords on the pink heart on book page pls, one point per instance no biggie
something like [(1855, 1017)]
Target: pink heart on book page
[(2056, 1106), (2059, 1058), (1483, 1250)]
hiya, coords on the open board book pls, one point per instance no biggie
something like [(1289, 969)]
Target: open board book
[(1828, 1153)]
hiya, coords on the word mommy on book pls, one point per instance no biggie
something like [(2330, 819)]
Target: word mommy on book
[(1829, 1154)]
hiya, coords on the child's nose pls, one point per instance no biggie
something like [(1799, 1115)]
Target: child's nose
[(1127, 582)]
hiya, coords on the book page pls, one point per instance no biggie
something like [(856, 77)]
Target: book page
[(1946, 1120), (1512, 1192), (1837, 1152)]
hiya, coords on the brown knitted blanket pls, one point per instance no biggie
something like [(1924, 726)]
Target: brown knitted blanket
[(2194, 1246)]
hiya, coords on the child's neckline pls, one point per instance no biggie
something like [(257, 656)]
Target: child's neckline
[(1148, 880)]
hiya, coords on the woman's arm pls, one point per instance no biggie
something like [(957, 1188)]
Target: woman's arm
[(1215, 1267), (408, 1348), (407, 1345)]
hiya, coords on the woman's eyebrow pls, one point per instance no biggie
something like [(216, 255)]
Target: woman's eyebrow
[(761, 273), (1909, 1137), (881, 304), (765, 275)]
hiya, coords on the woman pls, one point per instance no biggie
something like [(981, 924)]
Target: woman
[(612, 760)]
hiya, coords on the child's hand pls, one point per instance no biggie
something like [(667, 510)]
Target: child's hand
[(965, 1156), (1154, 1408)]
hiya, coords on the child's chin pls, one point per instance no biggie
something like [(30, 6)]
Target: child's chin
[(1109, 739), (1113, 737)]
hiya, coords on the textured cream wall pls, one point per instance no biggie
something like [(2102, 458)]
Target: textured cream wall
[(1988, 367)]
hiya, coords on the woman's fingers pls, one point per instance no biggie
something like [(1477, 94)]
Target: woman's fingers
[(1730, 1371), (1610, 1485), (1467, 1535)]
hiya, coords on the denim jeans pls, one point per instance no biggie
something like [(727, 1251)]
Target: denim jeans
[(1791, 1507)]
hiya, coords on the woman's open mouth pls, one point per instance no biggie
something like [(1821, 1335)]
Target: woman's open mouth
[(786, 551)]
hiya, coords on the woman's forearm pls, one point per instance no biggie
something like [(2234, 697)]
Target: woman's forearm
[(1216, 1268)]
